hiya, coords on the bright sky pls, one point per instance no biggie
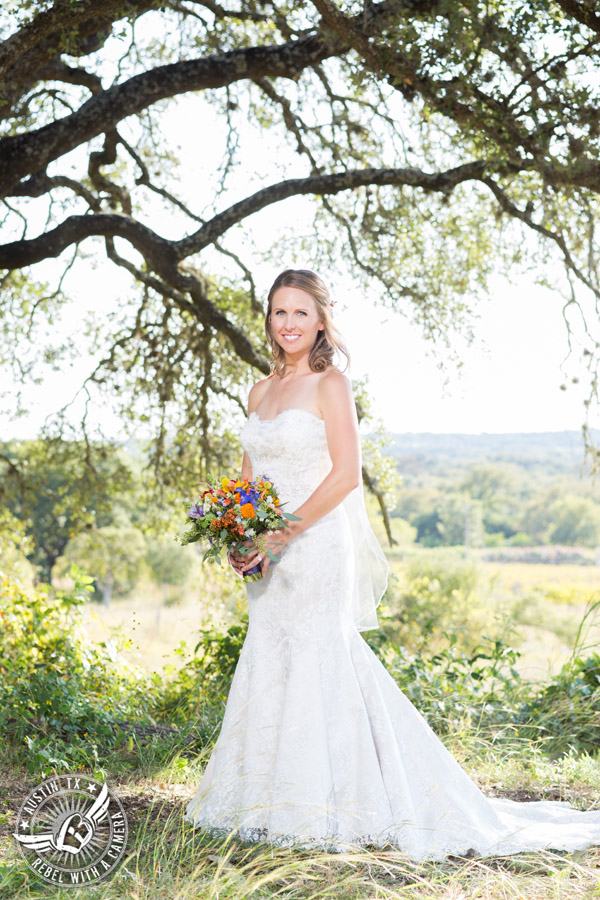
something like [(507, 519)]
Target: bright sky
[(509, 382), (510, 379)]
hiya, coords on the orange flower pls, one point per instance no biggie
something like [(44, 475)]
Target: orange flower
[(247, 510)]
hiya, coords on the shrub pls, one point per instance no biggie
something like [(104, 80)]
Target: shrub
[(14, 547), (61, 696), (205, 680), (439, 593), (565, 714), (453, 689)]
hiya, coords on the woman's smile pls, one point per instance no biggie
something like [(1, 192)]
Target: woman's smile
[(295, 322)]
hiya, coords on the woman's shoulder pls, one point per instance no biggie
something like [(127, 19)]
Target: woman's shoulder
[(334, 385), (335, 376), (256, 391)]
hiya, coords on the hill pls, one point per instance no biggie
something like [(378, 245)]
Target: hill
[(559, 452)]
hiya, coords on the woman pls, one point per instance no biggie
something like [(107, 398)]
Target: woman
[(318, 746)]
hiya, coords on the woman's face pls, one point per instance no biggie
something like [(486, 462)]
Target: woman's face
[(294, 320)]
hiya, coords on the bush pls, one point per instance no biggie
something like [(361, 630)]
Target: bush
[(14, 547), (455, 690), (61, 696), (521, 539), (439, 593), (207, 677), (66, 703), (565, 714), (482, 690)]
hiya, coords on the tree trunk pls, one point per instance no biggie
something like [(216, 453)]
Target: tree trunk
[(106, 587)]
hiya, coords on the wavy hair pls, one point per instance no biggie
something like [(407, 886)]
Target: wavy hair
[(327, 341)]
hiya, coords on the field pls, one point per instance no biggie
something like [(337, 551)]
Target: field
[(538, 608)]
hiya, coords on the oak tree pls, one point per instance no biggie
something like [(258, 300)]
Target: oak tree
[(436, 140)]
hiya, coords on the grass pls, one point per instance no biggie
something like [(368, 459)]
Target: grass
[(148, 631), (168, 859), (539, 607)]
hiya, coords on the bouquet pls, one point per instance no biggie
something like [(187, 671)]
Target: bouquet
[(231, 512)]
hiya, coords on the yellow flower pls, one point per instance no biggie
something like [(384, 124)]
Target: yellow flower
[(224, 482)]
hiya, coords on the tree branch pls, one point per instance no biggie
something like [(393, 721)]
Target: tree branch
[(525, 216), (157, 251), (334, 183), (41, 184), (57, 70), (163, 255), (107, 157), (200, 306), (373, 487), (24, 154), (60, 16), (581, 12)]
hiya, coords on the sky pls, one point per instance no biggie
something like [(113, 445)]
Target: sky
[(509, 381), (510, 376)]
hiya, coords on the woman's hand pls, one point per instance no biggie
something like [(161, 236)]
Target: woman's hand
[(274, 541), (237, 559)]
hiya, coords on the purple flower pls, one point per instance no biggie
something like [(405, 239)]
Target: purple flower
[(196, 511)]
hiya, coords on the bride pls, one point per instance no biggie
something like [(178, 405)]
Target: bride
[(318, 747)]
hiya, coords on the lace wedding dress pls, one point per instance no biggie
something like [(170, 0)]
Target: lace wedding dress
[(318, 747)]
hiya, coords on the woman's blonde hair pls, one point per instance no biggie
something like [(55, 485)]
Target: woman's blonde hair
[(328, 339)]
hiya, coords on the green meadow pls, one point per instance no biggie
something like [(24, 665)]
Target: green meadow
[(499, 657)]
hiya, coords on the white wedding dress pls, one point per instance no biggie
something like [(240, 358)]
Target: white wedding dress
[(318, 747)]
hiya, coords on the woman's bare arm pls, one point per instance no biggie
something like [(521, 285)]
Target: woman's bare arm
[(237, 559), (253, 401), (246, 467)]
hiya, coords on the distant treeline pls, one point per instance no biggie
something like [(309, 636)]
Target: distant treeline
[(497, 489)]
